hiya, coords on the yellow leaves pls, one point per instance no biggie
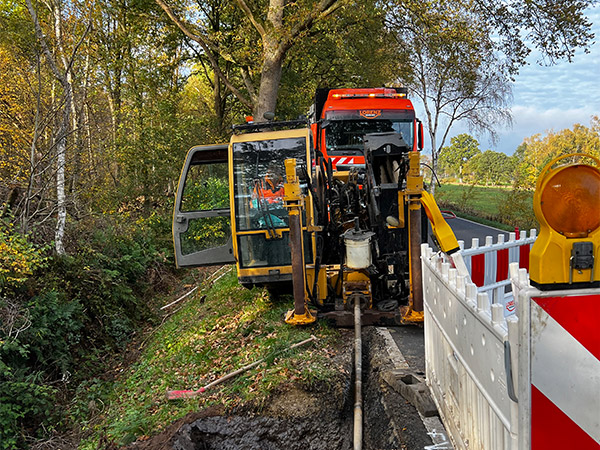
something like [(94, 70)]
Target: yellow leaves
[(540, 150), (16, 116), (18, 257)]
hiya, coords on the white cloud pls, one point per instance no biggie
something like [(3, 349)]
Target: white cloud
[(564, 85), (554, 97), (530, 120), (550, 97)]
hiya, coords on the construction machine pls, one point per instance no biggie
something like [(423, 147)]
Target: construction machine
[(341, 117), (271, 202)]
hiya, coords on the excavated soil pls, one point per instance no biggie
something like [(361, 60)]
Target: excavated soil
[(299, 419)]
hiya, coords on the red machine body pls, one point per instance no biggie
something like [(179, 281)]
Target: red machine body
[(341, 117)]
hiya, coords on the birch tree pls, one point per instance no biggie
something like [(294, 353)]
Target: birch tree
[(63, 75), (448, 61)]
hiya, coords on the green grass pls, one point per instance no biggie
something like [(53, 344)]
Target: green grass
[(485, 200), (494, 206), (205, 340)]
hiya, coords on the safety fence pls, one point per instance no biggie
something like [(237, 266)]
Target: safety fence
[(488, 266), (506, 382)]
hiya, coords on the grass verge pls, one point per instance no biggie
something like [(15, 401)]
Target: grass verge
[(484, 200), (499, 207), (218, 331)]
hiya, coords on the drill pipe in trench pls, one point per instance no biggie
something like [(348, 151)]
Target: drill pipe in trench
[(358, 400)]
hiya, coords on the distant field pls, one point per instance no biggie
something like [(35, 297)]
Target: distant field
[(496, 206), (485, 200)]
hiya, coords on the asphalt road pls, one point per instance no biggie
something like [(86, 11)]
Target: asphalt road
[(465, 230), (411, 342)]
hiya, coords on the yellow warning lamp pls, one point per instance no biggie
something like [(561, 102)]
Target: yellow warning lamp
[(567, 205)]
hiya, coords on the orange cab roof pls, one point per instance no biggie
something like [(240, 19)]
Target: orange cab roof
[(366, 98)]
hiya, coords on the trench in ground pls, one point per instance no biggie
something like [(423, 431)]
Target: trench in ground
[(318, 420)]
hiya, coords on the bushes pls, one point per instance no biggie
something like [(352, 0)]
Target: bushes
[(61, 316), (23, 404), (18, 258), (516, 209), (30, 361)]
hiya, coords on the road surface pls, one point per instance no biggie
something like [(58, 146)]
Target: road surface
[(465, 230)]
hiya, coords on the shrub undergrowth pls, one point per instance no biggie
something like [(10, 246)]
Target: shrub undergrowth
[(213, 334), (64, 318)]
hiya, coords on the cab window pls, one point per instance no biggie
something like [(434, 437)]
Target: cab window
[(259, 175)]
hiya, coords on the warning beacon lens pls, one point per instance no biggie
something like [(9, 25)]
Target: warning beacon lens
[(570, 201)]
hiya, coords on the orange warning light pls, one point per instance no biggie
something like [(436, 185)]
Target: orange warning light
[(566, 254), (570, 201)]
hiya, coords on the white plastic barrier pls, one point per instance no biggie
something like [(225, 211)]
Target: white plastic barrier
[(527, 381), (465, 338), (487, 266)]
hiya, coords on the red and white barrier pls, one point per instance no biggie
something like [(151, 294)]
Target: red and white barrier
[(559, 378), (527, 381), (488, 266)]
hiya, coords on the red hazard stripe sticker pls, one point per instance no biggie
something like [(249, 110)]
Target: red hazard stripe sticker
[(553, 429), (579, 316), (342, 160), (565, 369)]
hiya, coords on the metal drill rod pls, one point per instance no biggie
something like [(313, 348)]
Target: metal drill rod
[(416, 278), (358, 401)]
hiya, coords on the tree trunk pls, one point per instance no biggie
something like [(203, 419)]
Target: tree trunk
[(61, 134), (32, 159), (61, 151), (434, 155), (269, 82)]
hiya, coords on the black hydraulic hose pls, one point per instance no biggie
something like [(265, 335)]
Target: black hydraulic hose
[(318, 256), (329, 177), (340, 276), (433, 172)]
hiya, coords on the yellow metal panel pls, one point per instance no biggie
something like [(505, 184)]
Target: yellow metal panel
[(263, 271), (321, 293), (414, 179), (441, 230)]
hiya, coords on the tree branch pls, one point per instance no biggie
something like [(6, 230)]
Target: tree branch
[(242, 4), (213, 62), (323, 9)]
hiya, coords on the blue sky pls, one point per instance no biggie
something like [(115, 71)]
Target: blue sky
[(551, 98)]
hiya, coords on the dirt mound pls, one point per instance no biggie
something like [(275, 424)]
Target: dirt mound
[(265, 433)]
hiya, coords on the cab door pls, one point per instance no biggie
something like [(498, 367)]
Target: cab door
[(202, 216)]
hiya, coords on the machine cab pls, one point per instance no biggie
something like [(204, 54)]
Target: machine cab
[(346, 115), (230, 204)]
